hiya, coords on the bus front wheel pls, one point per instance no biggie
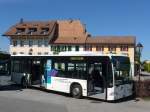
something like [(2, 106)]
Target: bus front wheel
[(76, 91)]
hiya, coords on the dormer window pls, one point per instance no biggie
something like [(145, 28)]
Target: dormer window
[(44, 30), (32, 30), (20, 30)]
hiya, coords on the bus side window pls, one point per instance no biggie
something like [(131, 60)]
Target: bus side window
[(60, 67), (71, 70), (81, 70), (77, 70), (16, 64)]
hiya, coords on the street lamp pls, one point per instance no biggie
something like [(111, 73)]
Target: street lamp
[(139, 48)]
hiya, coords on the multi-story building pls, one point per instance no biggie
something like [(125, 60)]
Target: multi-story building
[(31, 38), (52, 37)]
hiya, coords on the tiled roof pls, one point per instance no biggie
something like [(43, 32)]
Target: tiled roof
[(70, 40), (70, 32), (64, 32), (26, 28), (71, 28), (111, 40)]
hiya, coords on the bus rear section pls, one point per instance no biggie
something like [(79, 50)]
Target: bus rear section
[(26, 70)]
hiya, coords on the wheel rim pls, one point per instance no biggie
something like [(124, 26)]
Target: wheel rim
[(76, 91)]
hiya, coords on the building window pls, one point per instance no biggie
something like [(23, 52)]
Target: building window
[(124, 48), (46, 53), (44, 31), (15, 43), (62, 48), (30, 51), (14, 53), (39, 53), (45, 43), (69, 48), (20, 31), (53, 48), (111, 48), (59, 48), (99, 48), (21, 43), (30, 43), (21, 52), (39, 43), (88, 48), (76, 48), (32, 30)]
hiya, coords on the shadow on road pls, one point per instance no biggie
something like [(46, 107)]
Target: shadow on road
[(93, 100), (130, 98), (49, 91), (12, 87), (6, 84)]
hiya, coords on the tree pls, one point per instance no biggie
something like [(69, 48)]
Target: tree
[(146, 66)]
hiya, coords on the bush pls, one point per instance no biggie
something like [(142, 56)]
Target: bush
[(147, 67), (142, 88)]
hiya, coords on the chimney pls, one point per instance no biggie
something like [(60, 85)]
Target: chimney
[(21, 20)]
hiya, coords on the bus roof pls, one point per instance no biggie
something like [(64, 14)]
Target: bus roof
[(76, 53)]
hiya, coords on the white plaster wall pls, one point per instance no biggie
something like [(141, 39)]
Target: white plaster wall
[(25, 49), (81, 48), (131, 55)]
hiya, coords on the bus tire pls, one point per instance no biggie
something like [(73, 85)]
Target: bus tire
[(23, 83), (76, 91)]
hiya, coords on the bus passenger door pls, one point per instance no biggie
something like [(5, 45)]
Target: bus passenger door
[(96, 81)]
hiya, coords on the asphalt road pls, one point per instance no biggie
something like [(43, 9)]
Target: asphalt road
[(15, 99)]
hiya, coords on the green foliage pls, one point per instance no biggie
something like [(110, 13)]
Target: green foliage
[(4, 56), (147, 67)]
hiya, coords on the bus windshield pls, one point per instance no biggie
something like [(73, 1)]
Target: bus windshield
[(121, 69)]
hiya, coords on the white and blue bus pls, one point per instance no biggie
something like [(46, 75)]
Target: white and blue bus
[(101, 76)]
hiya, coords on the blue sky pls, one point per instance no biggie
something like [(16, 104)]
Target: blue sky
[(102, 17)]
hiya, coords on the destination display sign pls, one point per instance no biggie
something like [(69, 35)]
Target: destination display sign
[(76, 58)]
